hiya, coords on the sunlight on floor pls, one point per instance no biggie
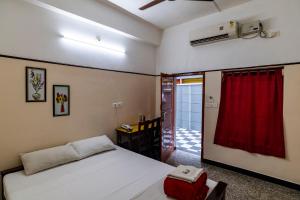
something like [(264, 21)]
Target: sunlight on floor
[(188, 141)]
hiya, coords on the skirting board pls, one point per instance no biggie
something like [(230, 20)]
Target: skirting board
[(253, 174)]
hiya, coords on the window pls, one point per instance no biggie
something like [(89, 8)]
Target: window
[(251, 112)]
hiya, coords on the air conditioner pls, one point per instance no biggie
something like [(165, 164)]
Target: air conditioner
[(213, 34)]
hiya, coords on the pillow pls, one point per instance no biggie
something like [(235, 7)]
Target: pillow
[(47, 158), (91, 146)]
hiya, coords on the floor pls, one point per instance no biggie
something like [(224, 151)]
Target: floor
[(240, 187), (188, 141)]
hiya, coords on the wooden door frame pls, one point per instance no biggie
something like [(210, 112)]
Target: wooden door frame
[(174, 112), (202, 125), (173, 108)]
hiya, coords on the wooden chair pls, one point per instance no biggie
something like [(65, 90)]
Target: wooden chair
[(148, 138), (144, 139), (154, 131)]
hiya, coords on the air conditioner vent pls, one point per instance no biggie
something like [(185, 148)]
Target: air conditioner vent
[(225, 31), (210, 39)]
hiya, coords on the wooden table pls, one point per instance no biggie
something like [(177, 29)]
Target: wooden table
[(139, 140), (129, 135)]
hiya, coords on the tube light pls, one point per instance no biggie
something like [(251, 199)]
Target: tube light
[(78, 18), (96, 43)]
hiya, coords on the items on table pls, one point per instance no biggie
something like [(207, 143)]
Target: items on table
[(142, 118), (127, 127)]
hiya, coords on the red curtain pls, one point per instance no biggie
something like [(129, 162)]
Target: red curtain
[(251, 112)]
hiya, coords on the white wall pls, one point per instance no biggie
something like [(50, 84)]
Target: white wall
[(33, 32), (102, 13), (189, 106), (176, 55)]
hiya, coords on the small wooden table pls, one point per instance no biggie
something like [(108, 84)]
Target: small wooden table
[(129, 135)]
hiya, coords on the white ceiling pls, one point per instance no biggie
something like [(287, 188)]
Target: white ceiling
[(171, 13)]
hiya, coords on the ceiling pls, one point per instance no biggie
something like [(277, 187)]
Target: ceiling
[(170, 13)]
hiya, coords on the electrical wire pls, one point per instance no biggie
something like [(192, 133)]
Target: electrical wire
[(261, 33), (252, 37)]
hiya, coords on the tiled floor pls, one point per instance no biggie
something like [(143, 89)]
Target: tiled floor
[(240, 187), (188, 141)]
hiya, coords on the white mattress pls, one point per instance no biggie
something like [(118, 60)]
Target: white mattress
[(113, 175)]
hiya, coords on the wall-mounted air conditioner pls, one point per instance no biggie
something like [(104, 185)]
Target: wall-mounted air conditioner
[(213, 34)]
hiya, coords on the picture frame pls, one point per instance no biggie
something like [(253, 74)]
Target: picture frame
[(61, 100), (36, 84)]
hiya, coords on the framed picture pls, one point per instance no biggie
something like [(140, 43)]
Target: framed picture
[(35, 84), (61, 100)]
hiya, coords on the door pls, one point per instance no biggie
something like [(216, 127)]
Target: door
[(167, 114)]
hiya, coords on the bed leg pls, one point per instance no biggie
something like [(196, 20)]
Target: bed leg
[(224, 195)]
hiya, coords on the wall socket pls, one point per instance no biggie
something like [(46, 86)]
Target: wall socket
[(117, 104)]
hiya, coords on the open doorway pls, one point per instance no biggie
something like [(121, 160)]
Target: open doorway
[(188, 112), (182, 118)]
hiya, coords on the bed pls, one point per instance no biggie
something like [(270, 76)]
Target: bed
[(114, 175)]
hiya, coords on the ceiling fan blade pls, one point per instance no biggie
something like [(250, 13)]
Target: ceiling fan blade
[(152, 3)]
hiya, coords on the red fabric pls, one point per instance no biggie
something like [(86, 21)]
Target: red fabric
[(182, 190), (251, 112), (202, 193)]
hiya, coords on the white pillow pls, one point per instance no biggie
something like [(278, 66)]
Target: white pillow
[(36, 161), (91, 146)]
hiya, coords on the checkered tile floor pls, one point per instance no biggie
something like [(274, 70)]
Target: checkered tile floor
[(188, 141)]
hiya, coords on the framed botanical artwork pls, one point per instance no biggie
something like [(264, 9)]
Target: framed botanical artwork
[(61, 100), (35, 84)]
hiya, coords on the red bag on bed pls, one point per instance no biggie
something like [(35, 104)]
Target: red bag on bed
[(182, 190)]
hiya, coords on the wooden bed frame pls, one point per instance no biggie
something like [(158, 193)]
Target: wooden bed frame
[(5, 172), (218, 192)]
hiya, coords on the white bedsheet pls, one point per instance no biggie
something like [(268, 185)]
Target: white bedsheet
[(113, 175)]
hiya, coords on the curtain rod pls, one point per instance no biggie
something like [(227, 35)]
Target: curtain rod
[(253, 69)]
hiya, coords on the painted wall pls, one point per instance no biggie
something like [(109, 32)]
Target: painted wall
[(103, 13), (176, 55), (30, 31), (286, 169), (189, 106), (157, 96), (31, 126)]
